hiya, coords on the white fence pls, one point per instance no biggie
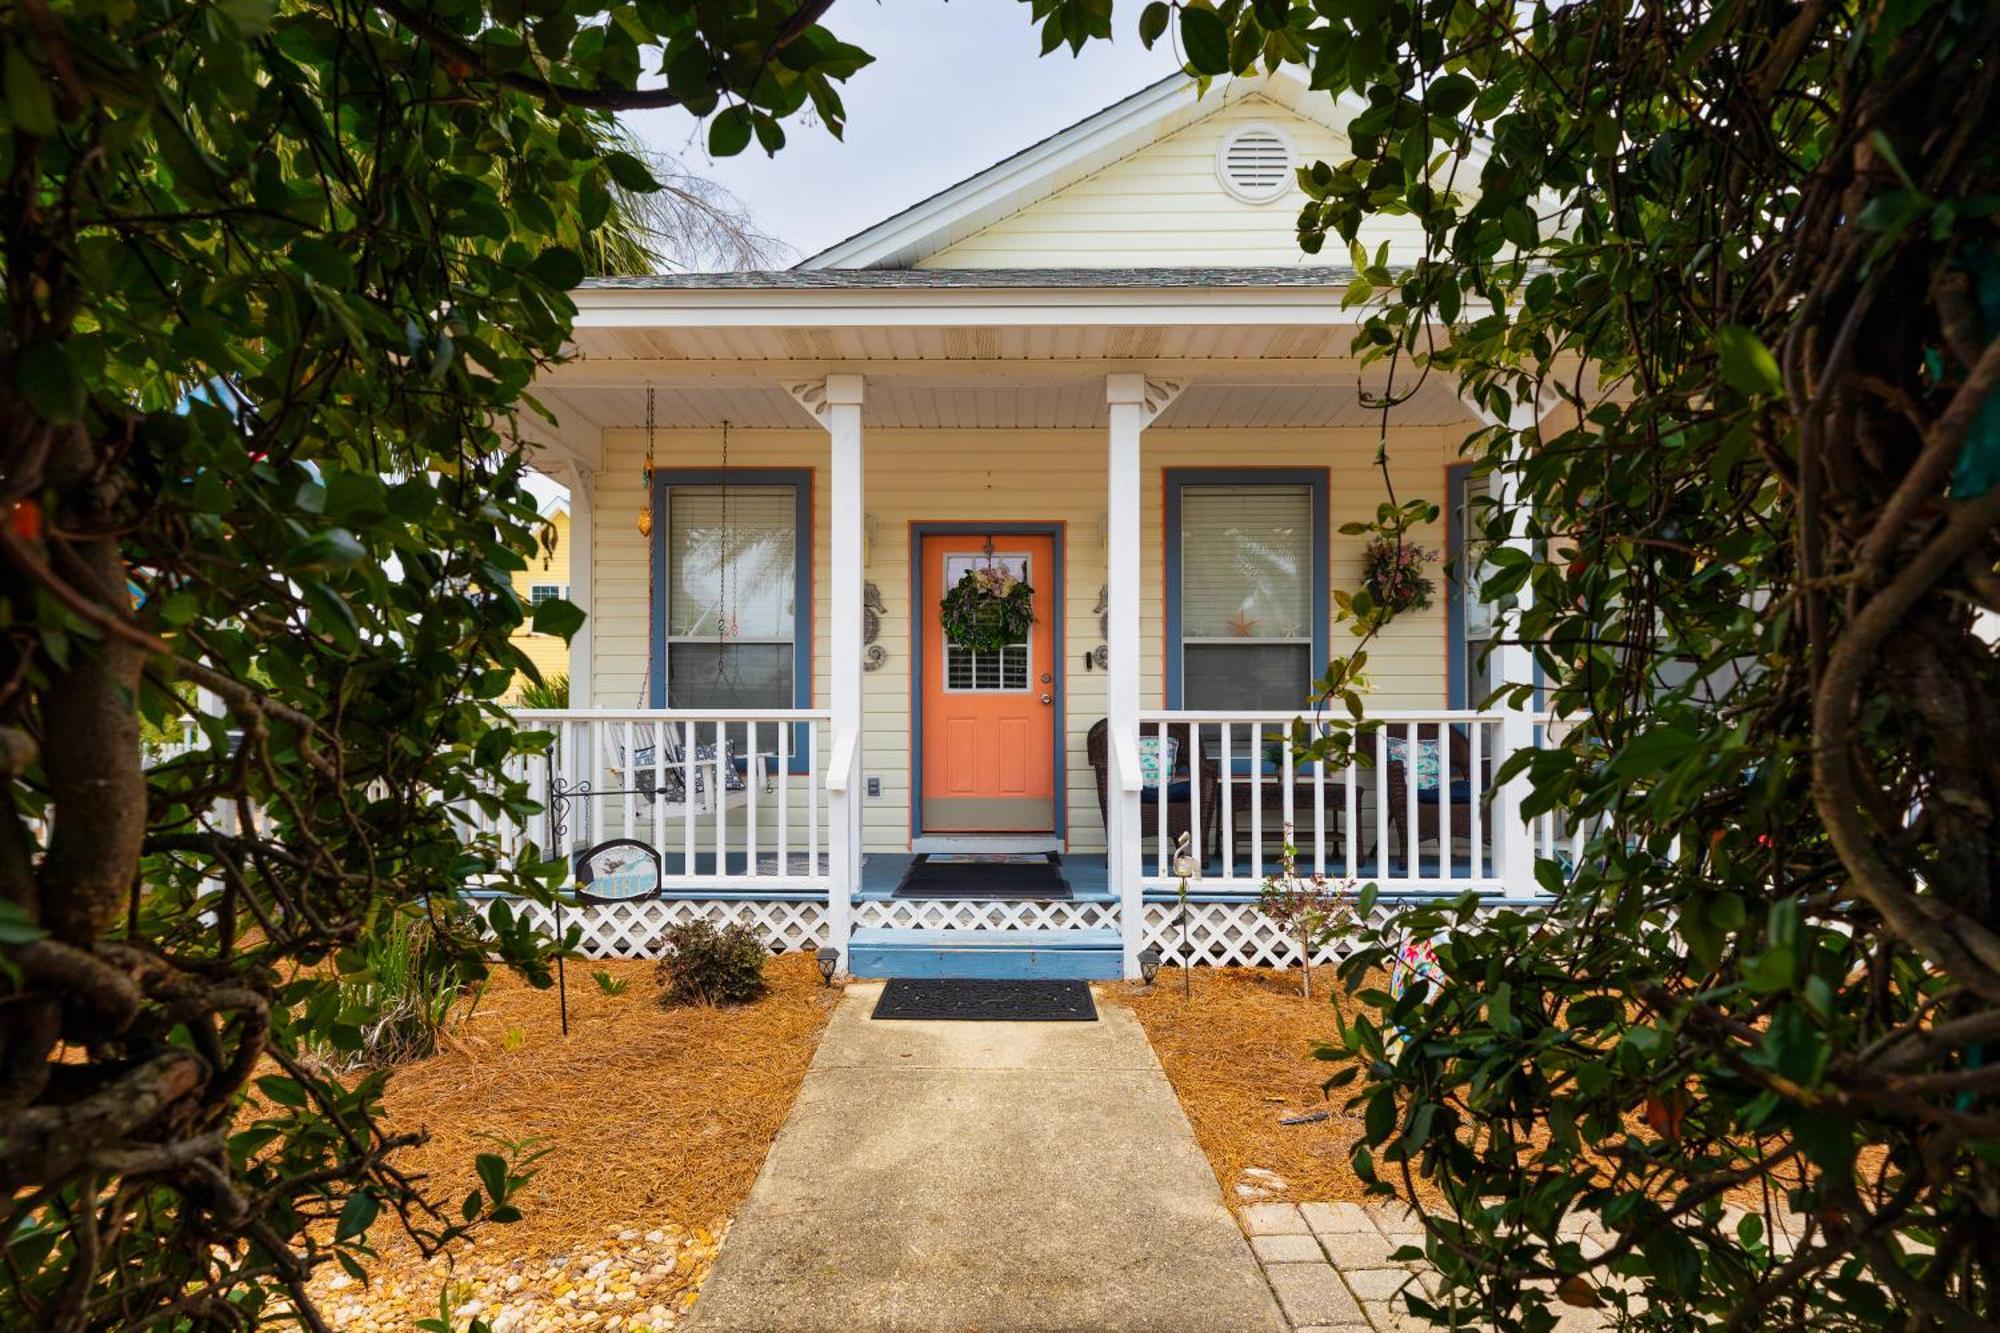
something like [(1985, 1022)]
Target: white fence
[(727, 799), (1235, 784)]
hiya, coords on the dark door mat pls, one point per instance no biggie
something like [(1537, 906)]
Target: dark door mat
[(1000, 880), (987, 1001)]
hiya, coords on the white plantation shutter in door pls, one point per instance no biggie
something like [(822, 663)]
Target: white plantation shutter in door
[(1246, 595)]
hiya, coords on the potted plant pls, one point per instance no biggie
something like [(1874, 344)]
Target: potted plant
[(1393, 571)]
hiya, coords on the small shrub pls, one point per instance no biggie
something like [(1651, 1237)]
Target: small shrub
[(704, 965), (396, 1006), (547, 694), (609, 984)]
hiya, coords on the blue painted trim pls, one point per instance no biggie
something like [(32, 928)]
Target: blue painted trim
[(1060, 668), (1456, 478), (1456, 475), (1322, 595), (1082, 955), (801, 482)]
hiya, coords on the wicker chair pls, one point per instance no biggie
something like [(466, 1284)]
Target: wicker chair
[(1453, 792), (1179, 803)]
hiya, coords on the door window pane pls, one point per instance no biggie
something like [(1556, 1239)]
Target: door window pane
[(1007, 668)]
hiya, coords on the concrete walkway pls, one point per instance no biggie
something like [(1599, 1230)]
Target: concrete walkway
[(989, 1177)]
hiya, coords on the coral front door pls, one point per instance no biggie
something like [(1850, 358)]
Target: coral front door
[(990, 715)]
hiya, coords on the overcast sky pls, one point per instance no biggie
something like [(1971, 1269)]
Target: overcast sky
[(954, 88)]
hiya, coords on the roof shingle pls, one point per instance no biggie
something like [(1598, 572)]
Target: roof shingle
[(1316, 275)]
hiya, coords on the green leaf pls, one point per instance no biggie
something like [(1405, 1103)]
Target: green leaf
[(559, 267), (1153, 20), (29, 103), (1450, 94), (357, 1216), (630, 173), (1747, 365), (331, 548), (729, 132), (281, 1090), (1379, 1121), (492, 1170), (558, 616), (45, 377), (1205, 39)]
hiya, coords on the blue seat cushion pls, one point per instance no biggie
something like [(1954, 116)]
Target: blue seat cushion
[(1176, 791), (1461, 793)]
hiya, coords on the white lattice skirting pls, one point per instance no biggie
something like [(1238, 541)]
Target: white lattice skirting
[(1239, 935), (630, 930), (1218, 934), (920, 914)]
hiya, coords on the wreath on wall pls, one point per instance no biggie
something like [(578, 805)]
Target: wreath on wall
[(987, 609), (1393, 572)]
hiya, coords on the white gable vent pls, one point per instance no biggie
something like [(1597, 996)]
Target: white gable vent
[(1255, 163)]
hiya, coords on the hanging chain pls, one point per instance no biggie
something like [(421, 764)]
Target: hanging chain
[(725, 628)]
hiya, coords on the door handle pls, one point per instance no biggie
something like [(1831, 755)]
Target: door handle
[(1048, 698)]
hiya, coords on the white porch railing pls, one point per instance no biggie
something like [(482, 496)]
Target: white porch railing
[(1236, 784), (729, 800)]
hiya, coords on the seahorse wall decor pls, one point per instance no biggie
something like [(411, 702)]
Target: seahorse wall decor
[(872, 611), (1101, 654)]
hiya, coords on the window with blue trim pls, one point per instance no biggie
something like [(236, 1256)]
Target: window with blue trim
[(1246, 588), (1469, 620), (732, 629)]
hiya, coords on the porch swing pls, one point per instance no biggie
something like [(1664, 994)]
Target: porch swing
[(665, 772)]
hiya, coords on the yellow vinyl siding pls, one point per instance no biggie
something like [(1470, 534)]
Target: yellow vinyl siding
[(1017, 475), (547, 651), (1164, 206)]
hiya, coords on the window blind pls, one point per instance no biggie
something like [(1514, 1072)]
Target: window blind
[(1246, 562), (744, 592)]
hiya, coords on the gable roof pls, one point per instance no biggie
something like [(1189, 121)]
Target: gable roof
[(1062, 159)]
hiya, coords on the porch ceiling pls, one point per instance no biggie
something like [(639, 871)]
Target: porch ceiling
[(1327, 394)]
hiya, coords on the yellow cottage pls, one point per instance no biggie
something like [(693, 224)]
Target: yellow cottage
[(942, 586)]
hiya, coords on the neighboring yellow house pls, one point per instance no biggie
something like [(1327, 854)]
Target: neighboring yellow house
[(546, 576), (1102, 363)]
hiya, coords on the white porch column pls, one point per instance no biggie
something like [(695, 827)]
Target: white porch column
[(836, 403), (582, 483), (1132, 403), (1514, 664)]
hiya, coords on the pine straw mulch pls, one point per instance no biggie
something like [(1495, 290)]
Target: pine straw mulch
[(1239, 1056), (649, 1116)]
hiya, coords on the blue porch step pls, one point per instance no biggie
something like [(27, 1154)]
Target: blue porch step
[(1013, 955)]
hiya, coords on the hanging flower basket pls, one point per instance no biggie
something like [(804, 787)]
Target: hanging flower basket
[(987, 609), (1392, 571)]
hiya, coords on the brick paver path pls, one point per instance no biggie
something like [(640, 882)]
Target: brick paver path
[(1330, 1267)]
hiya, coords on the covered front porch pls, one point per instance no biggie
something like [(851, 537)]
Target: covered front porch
[(782, 760)]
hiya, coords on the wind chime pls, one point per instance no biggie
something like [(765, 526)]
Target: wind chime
[(646, 491)]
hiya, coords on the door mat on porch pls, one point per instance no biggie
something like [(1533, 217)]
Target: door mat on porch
[(983, 1001), (1007, 880)]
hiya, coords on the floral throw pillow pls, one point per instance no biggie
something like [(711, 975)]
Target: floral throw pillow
[(1427, 761), (1151, 761), (672, 773)]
